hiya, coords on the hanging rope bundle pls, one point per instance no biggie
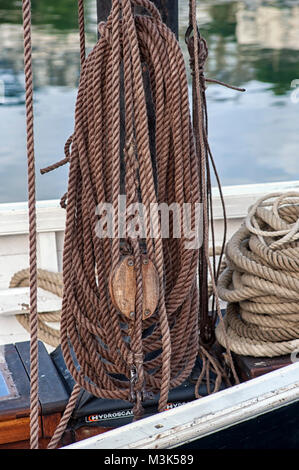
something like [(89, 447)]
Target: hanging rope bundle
[(261, 280), (111, 351), (119, 357)]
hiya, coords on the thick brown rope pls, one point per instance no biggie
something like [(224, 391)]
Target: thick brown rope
[(104, 109), (81, 19), (119, 358), (34, 403), (54, 442), (36, 327), (162, 350)]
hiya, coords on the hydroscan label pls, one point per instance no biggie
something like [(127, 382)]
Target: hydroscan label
[(122, 414)]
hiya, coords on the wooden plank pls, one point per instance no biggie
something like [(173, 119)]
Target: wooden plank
[(18, 407), (11, 331), (14, 217), (14, 413), (14, 430), (15, 434), (85, 432), (50, 423), (52, 394), (47, 251), (15, 301), (251, 367)]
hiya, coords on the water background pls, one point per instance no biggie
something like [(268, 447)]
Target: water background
[(253, 44)]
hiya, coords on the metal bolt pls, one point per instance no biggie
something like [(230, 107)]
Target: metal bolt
[(145, 261), (132, 314), (130, 262), (147, 313)]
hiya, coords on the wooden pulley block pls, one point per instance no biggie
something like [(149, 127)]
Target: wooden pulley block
[(122, 287)]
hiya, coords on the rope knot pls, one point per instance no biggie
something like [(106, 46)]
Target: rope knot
[(105, 31), (102, 28), (202, 54)]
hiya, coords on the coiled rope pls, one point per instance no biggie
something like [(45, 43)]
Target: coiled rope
[(261, 280), (94, 177), (52, 282), (115, 357)]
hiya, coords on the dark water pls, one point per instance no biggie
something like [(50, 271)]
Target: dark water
[(254, 44)]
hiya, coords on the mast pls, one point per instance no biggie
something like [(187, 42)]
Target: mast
[(169, 10)]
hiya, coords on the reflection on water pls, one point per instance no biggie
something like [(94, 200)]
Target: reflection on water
[(252, 43)]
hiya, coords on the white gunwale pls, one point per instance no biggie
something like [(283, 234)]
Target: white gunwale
[(51, 217), (204, 416)]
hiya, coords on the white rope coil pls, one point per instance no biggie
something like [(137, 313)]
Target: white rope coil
[(261, 280)]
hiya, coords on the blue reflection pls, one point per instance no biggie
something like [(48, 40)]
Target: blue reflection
[(11, 89), (4, 391)]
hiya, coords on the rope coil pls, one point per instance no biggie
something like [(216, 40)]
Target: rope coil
[(126, 42), (119, 358), (261, 280), (52, 282)]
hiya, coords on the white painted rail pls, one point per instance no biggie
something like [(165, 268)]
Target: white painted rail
[(205, 416), (16, 301)]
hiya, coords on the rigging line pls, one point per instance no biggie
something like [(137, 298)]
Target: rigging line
[(81, 20), (198, 60), (34, 404)]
